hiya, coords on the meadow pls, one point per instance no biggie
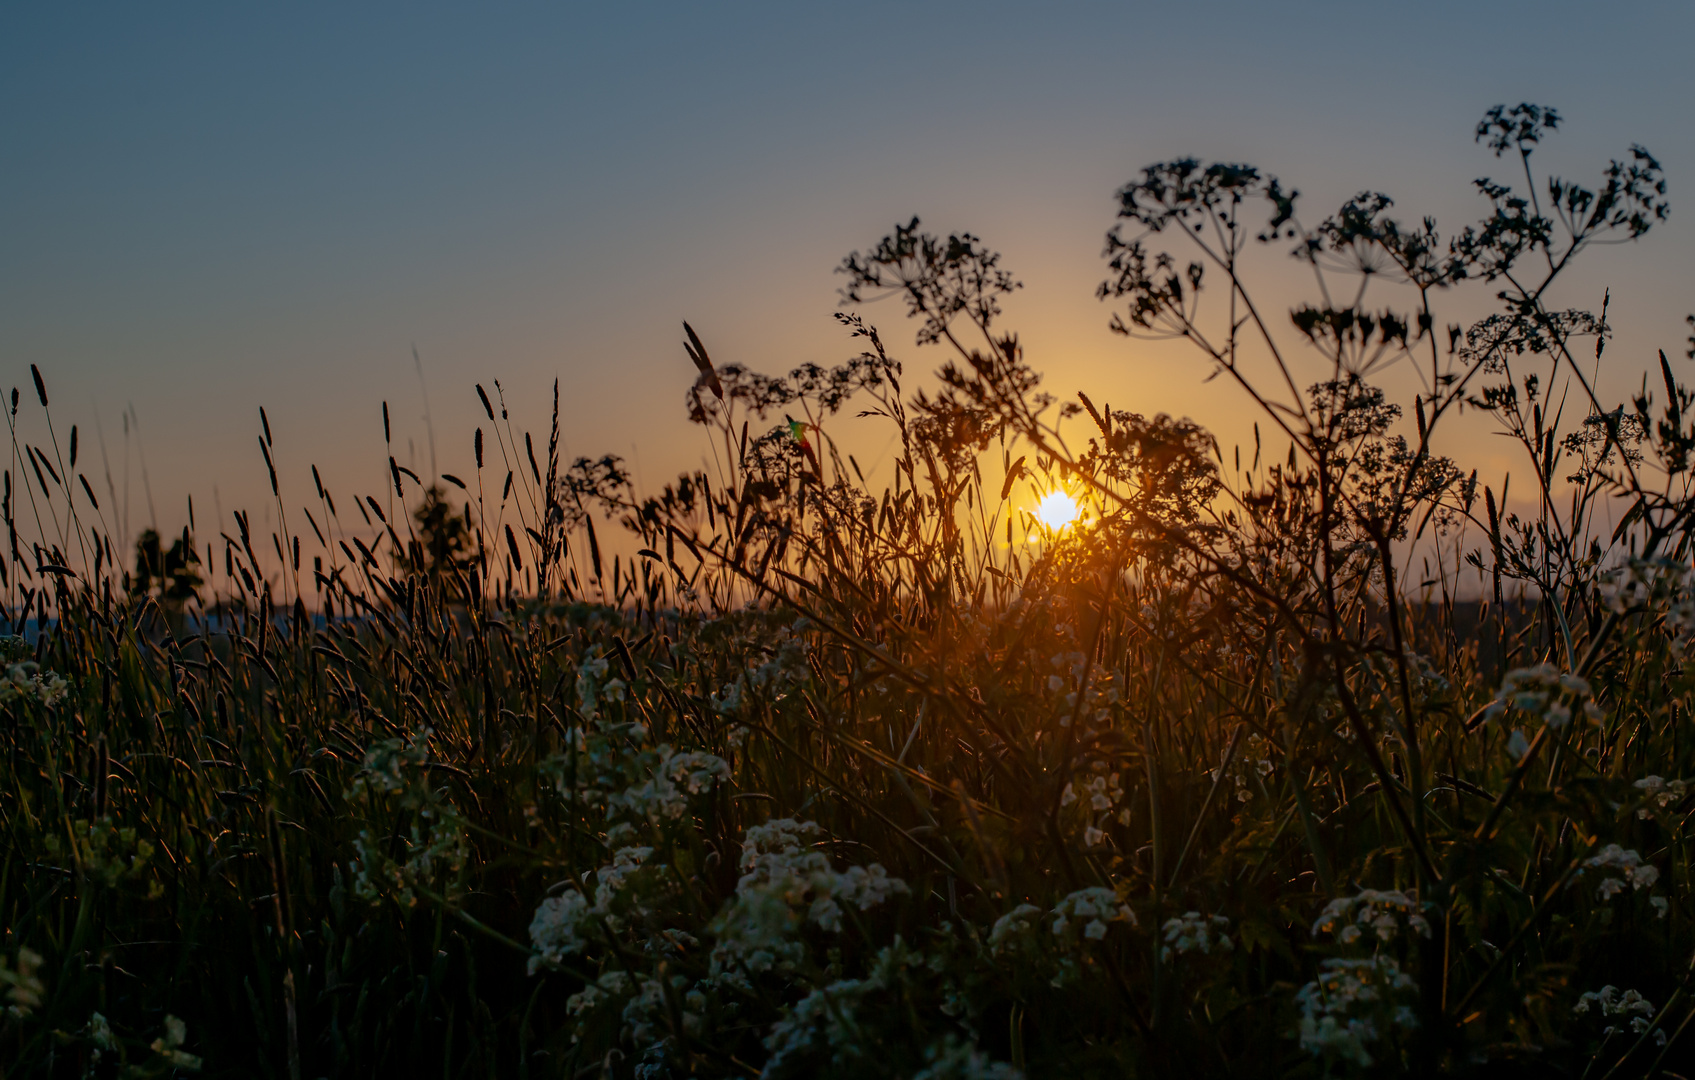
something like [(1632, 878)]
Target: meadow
[(1309, 757)]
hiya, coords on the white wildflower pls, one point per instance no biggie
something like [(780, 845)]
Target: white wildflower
[(1381, 912), (1628, 864), (169, 1046), (1661, 793), (558, 928), (1094, 907), (1013, 926), (1609, 1003), (1662, 585), (1546, 693), (1353, 1005), (1194, 932), (589, 675), (825, 1016), (1251, 757), (25, 679), (663, 796)]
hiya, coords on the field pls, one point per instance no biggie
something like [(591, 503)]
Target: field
[(1311, 758)]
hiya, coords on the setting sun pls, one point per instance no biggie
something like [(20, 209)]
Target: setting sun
[(1057, 510)]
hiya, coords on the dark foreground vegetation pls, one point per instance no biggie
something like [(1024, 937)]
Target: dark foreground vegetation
[(1302, 757)]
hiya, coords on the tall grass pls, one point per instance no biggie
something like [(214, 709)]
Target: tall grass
[(1315, 763)]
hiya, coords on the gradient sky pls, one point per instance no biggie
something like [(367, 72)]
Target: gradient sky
[(206, 209)]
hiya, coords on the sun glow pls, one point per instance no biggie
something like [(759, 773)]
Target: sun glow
[(1057, 510)]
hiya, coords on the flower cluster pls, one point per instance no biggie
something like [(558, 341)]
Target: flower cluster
[(832, 1030), (1254, 757), (1640, 582), (26, 681), (664, 795), (1084, 915), (1015, 926), (169, 1046), (1099, 794), (397, 770), (1094, 908), (1629, 867), (1382, 912), (1353, 1005), (562, 924), (594, 688), (1542, 693), (1194, 932), (1660, 584), (778, 860), (823, 1016), (558, 928), (952, 1058), (393, 766), (786, 882), (1608, 1002), (435, 847), (1661, 792)]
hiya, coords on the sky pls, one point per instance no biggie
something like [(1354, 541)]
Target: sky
[(316, 208)]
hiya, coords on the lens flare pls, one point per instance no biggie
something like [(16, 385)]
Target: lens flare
[(1057, 510)]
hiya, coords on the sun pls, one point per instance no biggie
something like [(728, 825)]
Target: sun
[(1057, 510)]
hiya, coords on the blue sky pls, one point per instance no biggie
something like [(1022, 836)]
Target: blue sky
[(205, 209)]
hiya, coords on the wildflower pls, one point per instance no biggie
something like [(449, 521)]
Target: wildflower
[(1194, 932), (784, 876), (1661, 792), (756, 934), (169, 1046), (1608, 1003), (1381, 912), (558, 928), (663, 796), (1015, 924), (646, 1016), (1544, 692), (1661, 584), (1094, 907), (826, 1014), (1425, 674), (1629, 864), (1254, 756), (25, 680), (609, 880), (773, 856), (589, 674), (1353, 1005)]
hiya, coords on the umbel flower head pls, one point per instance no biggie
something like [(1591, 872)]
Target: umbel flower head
[(1381, 913), (1544, 692)]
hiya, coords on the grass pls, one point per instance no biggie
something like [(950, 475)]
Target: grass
[(1322, 763)]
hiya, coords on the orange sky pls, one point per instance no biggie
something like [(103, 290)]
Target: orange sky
[(206, 213)]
